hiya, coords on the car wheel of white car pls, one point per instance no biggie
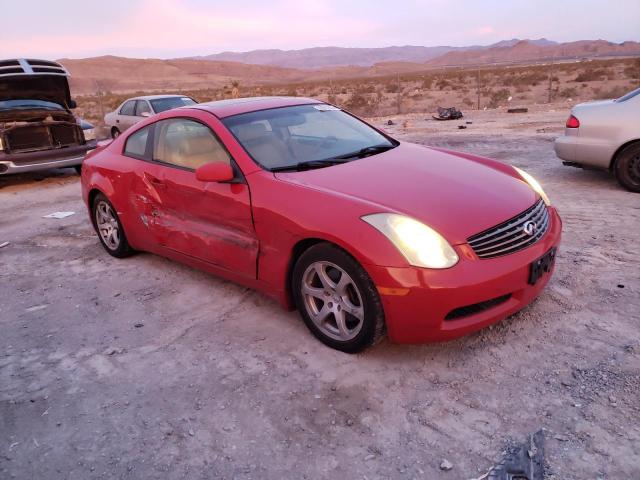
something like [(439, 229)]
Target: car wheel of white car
[(115, 133), (627, 167)]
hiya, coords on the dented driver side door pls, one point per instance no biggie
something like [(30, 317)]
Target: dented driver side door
[(209, 221)]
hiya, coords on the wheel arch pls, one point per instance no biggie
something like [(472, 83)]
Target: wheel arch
[(93, 193), (298, 249), (614, 158)]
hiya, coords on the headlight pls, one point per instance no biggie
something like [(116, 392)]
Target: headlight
[(89, 134), (534, 184), (421, 245)]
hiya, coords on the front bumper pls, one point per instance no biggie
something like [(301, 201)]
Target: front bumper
[(417, 301), (44, 160)]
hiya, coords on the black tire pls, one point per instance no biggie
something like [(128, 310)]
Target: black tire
[(627, 167), (115, 133), (371, 327), (120, 250), (78, 169)]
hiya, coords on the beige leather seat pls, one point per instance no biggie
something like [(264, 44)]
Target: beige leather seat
[(193, 151), (263, 145)]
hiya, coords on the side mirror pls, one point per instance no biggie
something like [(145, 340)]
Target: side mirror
[(215, 172), (72, 104), (145, 114)]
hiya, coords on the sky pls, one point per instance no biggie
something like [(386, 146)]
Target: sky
[(175, 28)]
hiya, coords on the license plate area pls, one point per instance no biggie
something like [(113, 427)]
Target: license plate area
[(541, 266)]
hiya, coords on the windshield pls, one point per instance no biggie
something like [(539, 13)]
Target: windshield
[(629, 95), (291, 136), (26, 104), (162, 104)]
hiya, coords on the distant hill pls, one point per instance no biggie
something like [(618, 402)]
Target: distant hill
[(117, 74), (321, 57), (528, 51)]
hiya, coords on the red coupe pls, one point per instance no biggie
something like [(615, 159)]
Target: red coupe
[(363, 234)]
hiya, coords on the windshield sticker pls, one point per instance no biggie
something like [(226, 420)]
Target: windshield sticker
[(326, 108)]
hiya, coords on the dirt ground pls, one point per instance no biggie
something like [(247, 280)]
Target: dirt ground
[(144, 368)]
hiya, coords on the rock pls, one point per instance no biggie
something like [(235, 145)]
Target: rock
[(446, 465), (370, 457), (139, 325)]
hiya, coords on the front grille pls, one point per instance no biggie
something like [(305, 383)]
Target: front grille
[(510, 236), (476, 308)]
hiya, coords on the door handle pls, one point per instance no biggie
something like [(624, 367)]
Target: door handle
[(157, 183)]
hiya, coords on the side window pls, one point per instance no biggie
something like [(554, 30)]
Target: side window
[(187, 144), (128, 108), (136, 145), (142, 106)]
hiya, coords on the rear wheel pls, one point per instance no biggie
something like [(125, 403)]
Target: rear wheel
[(336, 299), (627, 167), (115, 133), (109, 228)]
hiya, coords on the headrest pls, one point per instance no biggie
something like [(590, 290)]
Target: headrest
[(250, 131), (197, 145)]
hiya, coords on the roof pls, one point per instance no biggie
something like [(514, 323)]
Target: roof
[(30, 66), (236, 106), (155, 97)]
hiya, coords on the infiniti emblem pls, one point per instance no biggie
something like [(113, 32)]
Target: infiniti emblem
[(530, 228)]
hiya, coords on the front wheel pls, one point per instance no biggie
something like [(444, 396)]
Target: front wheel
[(115, 133), (109, 228), (337, 299), (627, 167)]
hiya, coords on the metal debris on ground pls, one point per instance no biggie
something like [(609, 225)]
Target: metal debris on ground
[(4, 244), (517, 110), (522, 462), (59, 215), (450, 113)]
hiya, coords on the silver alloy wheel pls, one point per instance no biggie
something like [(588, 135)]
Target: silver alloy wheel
[(107, 225), (332, 300)]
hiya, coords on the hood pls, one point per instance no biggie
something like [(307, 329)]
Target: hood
[(456, 196), (51, 88)]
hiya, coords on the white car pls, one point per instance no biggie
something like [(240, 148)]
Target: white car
[(605, 135), (132, 110)]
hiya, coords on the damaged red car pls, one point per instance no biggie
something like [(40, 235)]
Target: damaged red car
[(363, 234)]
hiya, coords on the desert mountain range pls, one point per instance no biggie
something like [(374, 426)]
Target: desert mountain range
[(117, 74)]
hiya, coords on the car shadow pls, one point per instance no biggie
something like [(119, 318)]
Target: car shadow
[(22, 179)]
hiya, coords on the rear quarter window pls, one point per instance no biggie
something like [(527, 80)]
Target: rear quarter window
[(128, 108), (136, 144)]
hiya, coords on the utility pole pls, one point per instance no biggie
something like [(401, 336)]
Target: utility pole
[(399, 95), (99, 92), (478, 86), (550, 82)]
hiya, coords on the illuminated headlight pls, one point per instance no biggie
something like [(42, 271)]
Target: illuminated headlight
[(89, 134), (421, 245), (534, 184)]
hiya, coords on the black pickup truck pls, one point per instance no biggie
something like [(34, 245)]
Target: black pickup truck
[(38, 131)]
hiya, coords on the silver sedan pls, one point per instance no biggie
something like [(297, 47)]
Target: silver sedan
[(605, 135), (133, 110)]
